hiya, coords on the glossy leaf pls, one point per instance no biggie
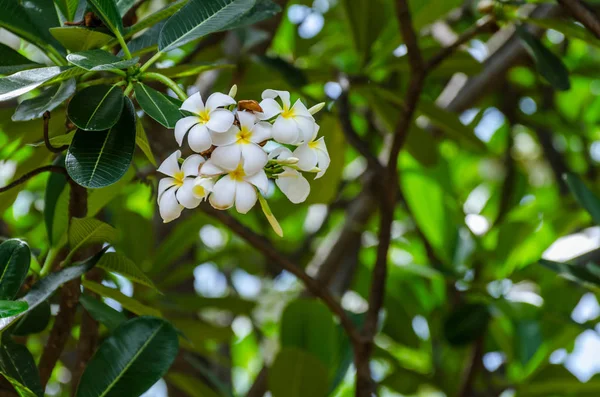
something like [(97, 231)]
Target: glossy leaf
[(12, 61), (35, 321), (584, 196), (262, 9), (108, 12), (86, 231), (141, 140), (43, 16), (128, 303), (137, 354), (45, 287), (15, 257), (12, 308), (549, 65), (96, 108), (100, 158), (199, 18), (290, 370), (18, 367), (101, 312), (99, 60), (466, 323), (48, 100), (75, 38), (119, 263), (157, 106), (16, 19), (22, 82)]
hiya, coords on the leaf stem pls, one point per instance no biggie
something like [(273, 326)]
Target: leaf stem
[(124, 46), (166, 81), (128, 89), (47, 267), (150, 61), (55, 56), (103, 80)]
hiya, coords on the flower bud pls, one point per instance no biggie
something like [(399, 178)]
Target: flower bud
[(233, 91), (317, 108), (289, 161)]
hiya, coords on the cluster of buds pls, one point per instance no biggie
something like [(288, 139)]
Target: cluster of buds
[(238, 147)]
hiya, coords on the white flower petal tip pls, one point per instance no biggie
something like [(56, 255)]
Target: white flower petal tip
[(317, 108)]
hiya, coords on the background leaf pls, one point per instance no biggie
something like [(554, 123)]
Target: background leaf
[(290, 370), (15, 257), (76, 39), (18, 367), (12, 61), (48, 100)]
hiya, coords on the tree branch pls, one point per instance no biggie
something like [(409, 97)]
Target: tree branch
[(31, 174), (47, 139), (580, 11)]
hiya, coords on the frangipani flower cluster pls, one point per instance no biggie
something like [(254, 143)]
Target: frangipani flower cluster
[(230, 167)]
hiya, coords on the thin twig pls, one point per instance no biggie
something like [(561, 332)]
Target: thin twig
[(583, 14), (31, 174), (47, 139)]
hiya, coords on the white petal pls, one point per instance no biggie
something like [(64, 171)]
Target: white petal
[(259, 180), (295, 186), (307, 157), (270, 108), (323, 158), (183, 126), (223, 194), (280, 152), (207, 185), (191, 165), (185, 194), (301, 110), (217, 100), (285, 130), (199, 138), (261, 132), (254, 158), (171, 164), (193, 104), (225, 138), (227, 157), (284, 95), (306, 126), (168, 206), (220, 120), (164, 184), (209, 168), (247, 120), (245, 197)]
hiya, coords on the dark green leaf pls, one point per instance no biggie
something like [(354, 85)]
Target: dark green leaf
[(45, 287), (404, 381), (549, 65), (11, 61), (43, 16), (15, 257), (587, 274), (34, 321), (99, 60), (27, 80), (12, 308), (100, 158), (128, 303), (68, 8), (141, 140), (119, 263), (75, 38), (190, 69), (96, 108), (584, 196), (146, 42), (157, 106), (18, 367), (48, 100), (15, 18), (263, 9), (466, 323), (101, 312), (86, 231), (131, 360), (153, 19), (366, 20), (108, 12), (199, 18), (124, 5), (296, 373)]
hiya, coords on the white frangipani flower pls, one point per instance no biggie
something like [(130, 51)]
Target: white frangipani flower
[(313, 154), (242, 144), (293, 124), (291, 182), (235, 187), (210, 119), (182, 188)]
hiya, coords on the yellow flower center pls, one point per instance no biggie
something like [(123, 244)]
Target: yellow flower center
[(287, 113), (179, 178), (204, 116), (313, 144), (238, 174), (199, 191), (243, 137)]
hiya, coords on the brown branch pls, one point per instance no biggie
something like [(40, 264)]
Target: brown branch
[(47, 139), (31, 174), (475, 364), (580, 11)]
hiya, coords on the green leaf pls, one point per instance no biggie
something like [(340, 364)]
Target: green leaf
[(18, 367), (100, 158), (584, 196), (11, 308), (99, 198), (404, 381), (96, 108), (101, 312), (570, 29), (192, 386), (124, 5), (128, 303), (22, 82), (137, 354), (43, 16), (45, 287), (119, 263), (55, 224), (68, 8), (141, 141), (549, 65), (146, 42), (15, 257), (48, 100), (35, 321), (586, 274), (269, 215), (16, 19), (156, 17), (157, 106), (366, 20), (199, 18), (12, 61), (68, 73), (86, 231), (99, 60), (57, 140), (466, 323), (75, 38), (108, 12), (263, 9), (290, 374)]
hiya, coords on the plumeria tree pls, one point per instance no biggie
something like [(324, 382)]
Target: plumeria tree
[(306, 198)]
